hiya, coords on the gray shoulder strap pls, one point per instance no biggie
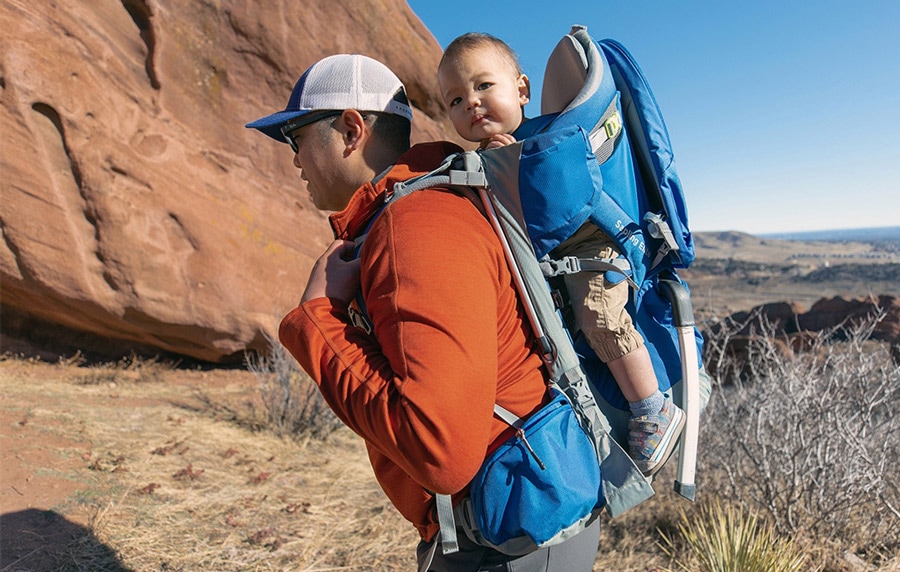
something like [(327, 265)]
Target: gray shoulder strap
[(508, 417), (449, 542)]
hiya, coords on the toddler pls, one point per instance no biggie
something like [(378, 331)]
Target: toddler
[(486, 92)]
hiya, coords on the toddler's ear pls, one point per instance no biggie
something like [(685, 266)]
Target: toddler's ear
[(524, 89)]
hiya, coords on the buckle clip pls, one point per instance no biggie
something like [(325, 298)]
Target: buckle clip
[(359, 319), (613, 125)]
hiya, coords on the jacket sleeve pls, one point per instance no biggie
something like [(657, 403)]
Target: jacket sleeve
[(421, 392)]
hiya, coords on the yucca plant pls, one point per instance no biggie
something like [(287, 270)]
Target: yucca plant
[(729, 540)]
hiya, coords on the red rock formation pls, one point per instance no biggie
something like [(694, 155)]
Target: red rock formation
[(136, 206), (830, 313), (782, 329), (775, 316)]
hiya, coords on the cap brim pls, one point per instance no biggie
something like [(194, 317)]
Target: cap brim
[(271, 124)]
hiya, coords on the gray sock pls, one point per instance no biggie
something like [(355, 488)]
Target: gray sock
[(649, 406)]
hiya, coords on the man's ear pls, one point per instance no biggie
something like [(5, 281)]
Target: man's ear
[(524, 89), (353, 130)]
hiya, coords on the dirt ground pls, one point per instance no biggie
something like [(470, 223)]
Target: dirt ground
[(56, 455), (156, 468), (118, 469)]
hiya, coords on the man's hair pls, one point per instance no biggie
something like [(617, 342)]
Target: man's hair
[(393, 130), (390, 129), (473, 40)]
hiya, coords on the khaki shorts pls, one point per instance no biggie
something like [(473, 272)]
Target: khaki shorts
[(599, 305)]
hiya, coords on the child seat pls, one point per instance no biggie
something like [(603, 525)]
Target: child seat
[(639, 203)]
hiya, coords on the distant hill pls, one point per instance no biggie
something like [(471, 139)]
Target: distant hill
[(737, 271), (877, 247), (887, 233)]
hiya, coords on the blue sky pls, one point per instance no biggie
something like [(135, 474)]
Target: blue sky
[(784, 116)]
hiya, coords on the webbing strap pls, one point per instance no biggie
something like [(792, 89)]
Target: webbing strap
[(446, 520), (449, 542), (660, 229), (551, 267), (403, 188), (508, 417), (605, 134)]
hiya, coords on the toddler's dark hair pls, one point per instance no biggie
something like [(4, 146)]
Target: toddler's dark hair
[(472, 40)]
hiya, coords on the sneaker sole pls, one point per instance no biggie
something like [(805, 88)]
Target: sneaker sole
[(667, 445)]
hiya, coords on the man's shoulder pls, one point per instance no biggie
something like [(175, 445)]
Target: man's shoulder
[(440, 204), (430, 224), (423, 157), (433, 217)]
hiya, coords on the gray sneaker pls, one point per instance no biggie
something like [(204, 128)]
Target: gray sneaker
[(653, 438)]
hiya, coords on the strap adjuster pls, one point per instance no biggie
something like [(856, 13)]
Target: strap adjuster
[(613, 126), (359, 319)]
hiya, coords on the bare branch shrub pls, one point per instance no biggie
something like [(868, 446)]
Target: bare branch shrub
[(809, 436), (293, 404)]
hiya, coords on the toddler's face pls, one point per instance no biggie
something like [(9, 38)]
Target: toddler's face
[(483, 92)]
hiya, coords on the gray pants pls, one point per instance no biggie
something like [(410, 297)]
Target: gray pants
[(574, 555)]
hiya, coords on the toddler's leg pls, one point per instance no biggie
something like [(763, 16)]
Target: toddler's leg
[(634, 374), (599, 310)]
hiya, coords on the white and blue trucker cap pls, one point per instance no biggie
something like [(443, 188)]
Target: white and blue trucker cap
[(343, 81)]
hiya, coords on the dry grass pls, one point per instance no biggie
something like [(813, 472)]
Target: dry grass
[(291, 400), (167, 482), (809, 438), (172, 469)]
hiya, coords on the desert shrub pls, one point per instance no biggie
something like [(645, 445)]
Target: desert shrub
[(809, 436), (292, 401), (129, 369), (729, 539)]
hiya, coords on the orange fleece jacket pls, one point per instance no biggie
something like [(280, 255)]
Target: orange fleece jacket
[(450, 339)]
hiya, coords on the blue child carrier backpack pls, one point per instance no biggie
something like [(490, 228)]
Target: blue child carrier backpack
[(600, 152), (639, 202)]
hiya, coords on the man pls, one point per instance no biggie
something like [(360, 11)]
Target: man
[(448, 338)]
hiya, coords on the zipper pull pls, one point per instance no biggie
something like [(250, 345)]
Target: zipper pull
[(521, 435)]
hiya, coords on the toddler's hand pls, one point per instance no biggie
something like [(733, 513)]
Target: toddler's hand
[(498, 140)]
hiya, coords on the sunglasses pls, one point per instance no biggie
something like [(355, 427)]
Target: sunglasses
[(303, 121)]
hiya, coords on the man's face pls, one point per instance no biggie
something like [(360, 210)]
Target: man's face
[(319, 158)]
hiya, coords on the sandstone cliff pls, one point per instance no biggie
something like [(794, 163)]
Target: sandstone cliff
[(137, 209)]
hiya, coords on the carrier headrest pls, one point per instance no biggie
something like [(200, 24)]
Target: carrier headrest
[(565, 75)]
